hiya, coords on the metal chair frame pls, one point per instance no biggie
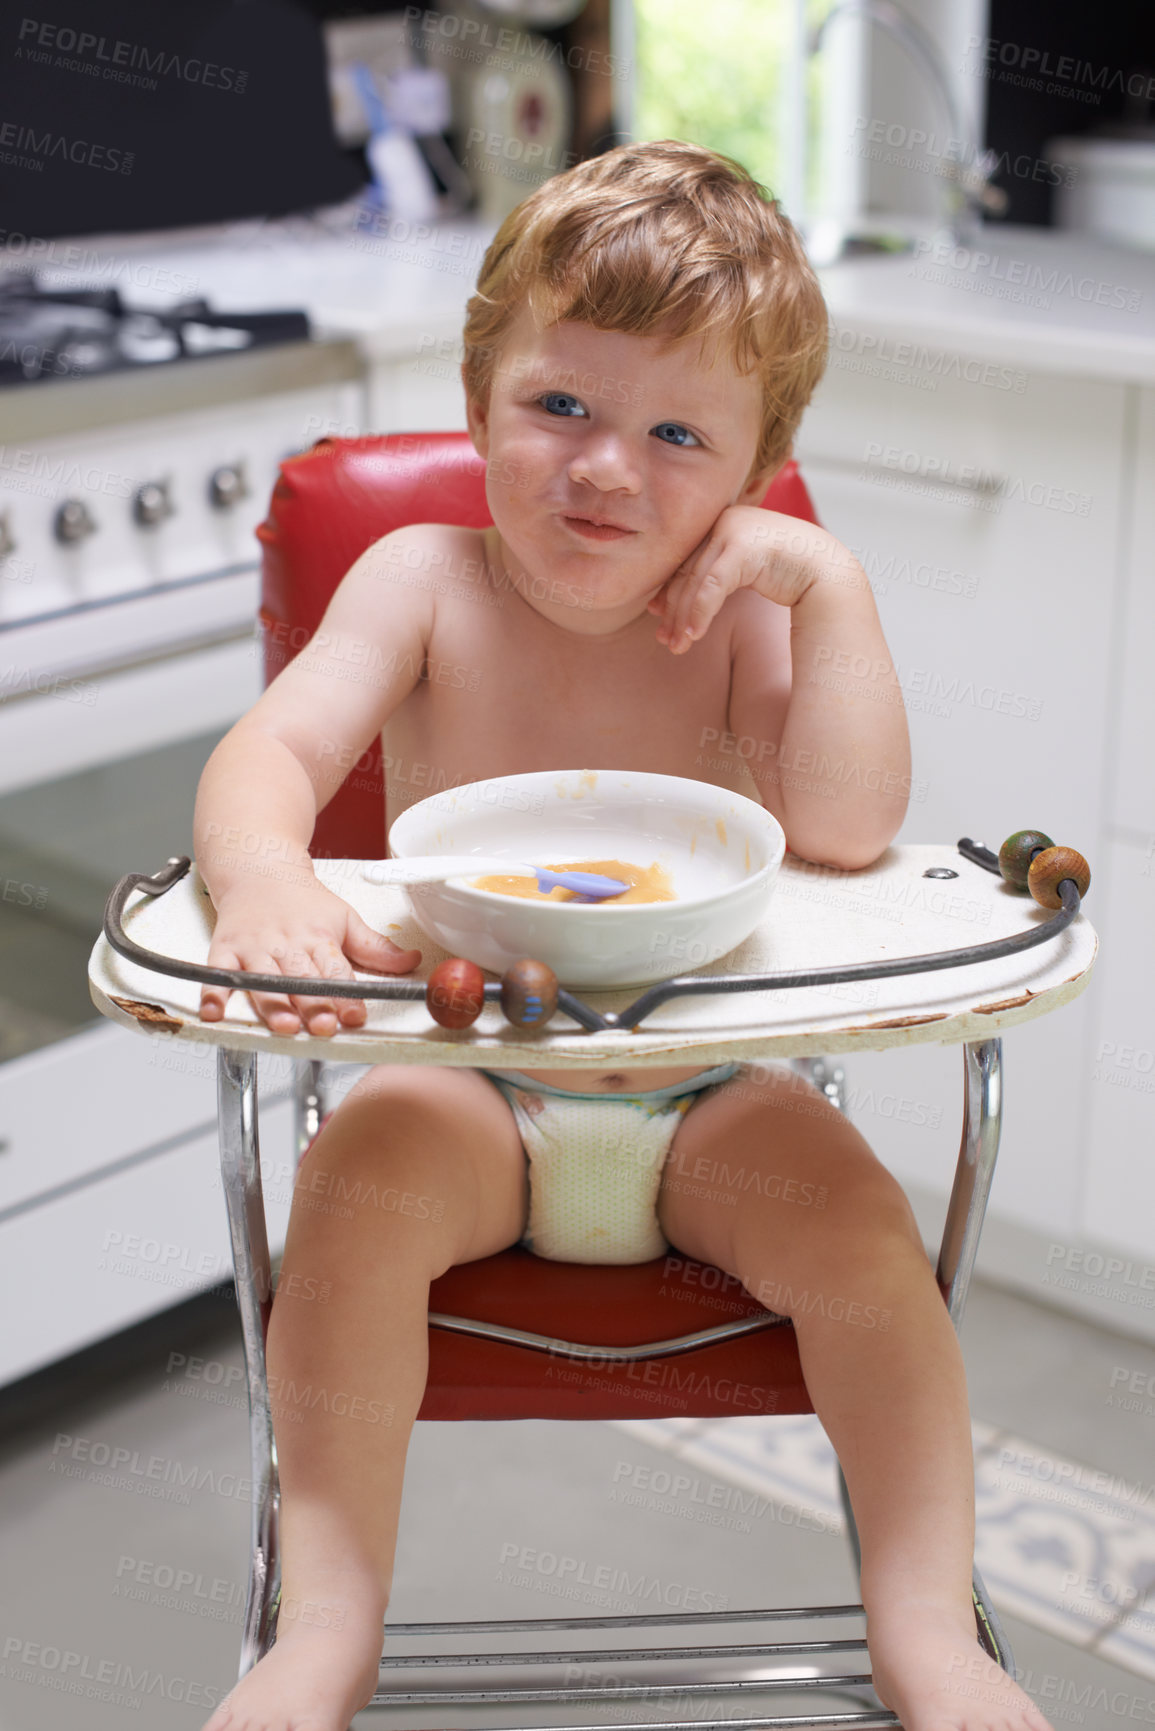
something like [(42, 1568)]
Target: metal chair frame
[(241, 1175)]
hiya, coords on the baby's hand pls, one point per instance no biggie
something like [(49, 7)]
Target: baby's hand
[(748, 548), (307, 931)]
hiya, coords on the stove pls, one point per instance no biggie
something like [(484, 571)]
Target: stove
[(138, 450), (48, 334)]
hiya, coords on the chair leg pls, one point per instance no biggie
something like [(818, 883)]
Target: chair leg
[(828, 1077), (974, 1174), (244, 1201), (308, 1102), (992, 1635), (851, 1523), (978, 1151)]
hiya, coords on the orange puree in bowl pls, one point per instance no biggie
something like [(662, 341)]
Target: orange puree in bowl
[(647, 883)]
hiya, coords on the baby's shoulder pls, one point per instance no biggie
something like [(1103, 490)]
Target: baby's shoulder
[(444, 558)]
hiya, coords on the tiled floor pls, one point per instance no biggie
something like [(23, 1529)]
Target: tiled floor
[(91, 1589)]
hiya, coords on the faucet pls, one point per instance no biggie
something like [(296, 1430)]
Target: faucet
[(970, 192)]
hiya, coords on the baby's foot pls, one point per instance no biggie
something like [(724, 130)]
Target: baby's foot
[(312, 1679), (929, 1669)]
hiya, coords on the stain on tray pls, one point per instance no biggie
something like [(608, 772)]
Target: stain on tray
[(901, 1022), (1003, 1004), (151, 1015)]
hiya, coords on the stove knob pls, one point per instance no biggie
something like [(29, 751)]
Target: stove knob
[(73, 522), (151, 503), (228, 485), (8, 541)]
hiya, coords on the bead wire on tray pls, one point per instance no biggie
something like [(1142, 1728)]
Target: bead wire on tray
[(1057, 877)]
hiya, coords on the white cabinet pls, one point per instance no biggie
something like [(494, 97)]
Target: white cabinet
[(99, 1233), (1131, 774), (421, 393), (993, 524), (129, 1085), (988, 523), (1118, 1197), (1118, 1200)]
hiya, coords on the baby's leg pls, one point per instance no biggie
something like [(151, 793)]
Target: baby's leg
[(418, 1170), (800, 1210)]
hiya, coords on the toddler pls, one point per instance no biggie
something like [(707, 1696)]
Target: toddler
[(644, 338)]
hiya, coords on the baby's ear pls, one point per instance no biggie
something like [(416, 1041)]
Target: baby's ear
[(476, 422)]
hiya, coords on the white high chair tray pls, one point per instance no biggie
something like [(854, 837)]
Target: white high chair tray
[(818, 917)]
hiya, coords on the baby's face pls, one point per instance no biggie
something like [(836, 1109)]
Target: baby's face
[(653, 438)]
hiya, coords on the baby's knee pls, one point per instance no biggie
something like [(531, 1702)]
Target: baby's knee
[(861, 1229), (391, 1105), (347, 1186), (375, 1142)]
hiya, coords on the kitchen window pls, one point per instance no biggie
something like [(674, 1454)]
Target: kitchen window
[(730, 79), (744, 79)]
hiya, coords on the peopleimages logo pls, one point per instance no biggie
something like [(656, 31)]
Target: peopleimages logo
[(27, 148), (1032, 66), (122, 62)]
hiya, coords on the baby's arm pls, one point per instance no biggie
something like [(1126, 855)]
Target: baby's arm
[(843, 753), (832, 745), (281, 764)]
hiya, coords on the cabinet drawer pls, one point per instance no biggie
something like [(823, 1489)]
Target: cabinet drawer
[(107, 1255), (1053, 445), (104, 1095)]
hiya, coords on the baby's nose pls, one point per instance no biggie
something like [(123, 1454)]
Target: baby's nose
[(606, 461)]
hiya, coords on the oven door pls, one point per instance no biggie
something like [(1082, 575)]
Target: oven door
[(110, 1204)]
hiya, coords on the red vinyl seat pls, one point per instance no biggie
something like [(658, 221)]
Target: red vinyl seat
[(329, 505)]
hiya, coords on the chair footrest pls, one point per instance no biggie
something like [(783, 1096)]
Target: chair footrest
[(638, 1620), (870, 1719), (783, 1666)]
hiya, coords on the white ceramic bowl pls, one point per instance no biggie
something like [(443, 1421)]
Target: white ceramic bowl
[(722, 852)]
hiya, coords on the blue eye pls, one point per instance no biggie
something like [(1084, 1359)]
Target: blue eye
[(674, 427), (564, 397)]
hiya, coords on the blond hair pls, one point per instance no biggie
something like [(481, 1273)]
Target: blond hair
[(662, 238)]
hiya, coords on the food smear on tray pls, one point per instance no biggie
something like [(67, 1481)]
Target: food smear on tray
[(647, 883)]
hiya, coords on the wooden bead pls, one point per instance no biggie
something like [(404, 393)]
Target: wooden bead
[(528, 993), (455, 993), (1015, 855), (1048, 871)]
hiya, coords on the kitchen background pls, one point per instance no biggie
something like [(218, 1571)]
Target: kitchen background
[(228, 230)]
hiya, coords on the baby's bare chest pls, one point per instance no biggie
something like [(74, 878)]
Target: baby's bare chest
[(504, 693)]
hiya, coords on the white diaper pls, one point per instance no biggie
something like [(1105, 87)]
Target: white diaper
[(595, 1164)]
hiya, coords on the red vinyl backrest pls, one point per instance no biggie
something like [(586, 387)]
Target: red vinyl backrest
[(330, 504)]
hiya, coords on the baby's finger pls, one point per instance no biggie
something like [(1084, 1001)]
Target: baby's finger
[(375, 952), (669, 608), (275, 1009), (331, 964), (701, 603), (687, 612), (318, 1015), (214, 999)]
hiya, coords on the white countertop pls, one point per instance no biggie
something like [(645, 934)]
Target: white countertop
[(1037, 298), (1041, 299), (386, 283)]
